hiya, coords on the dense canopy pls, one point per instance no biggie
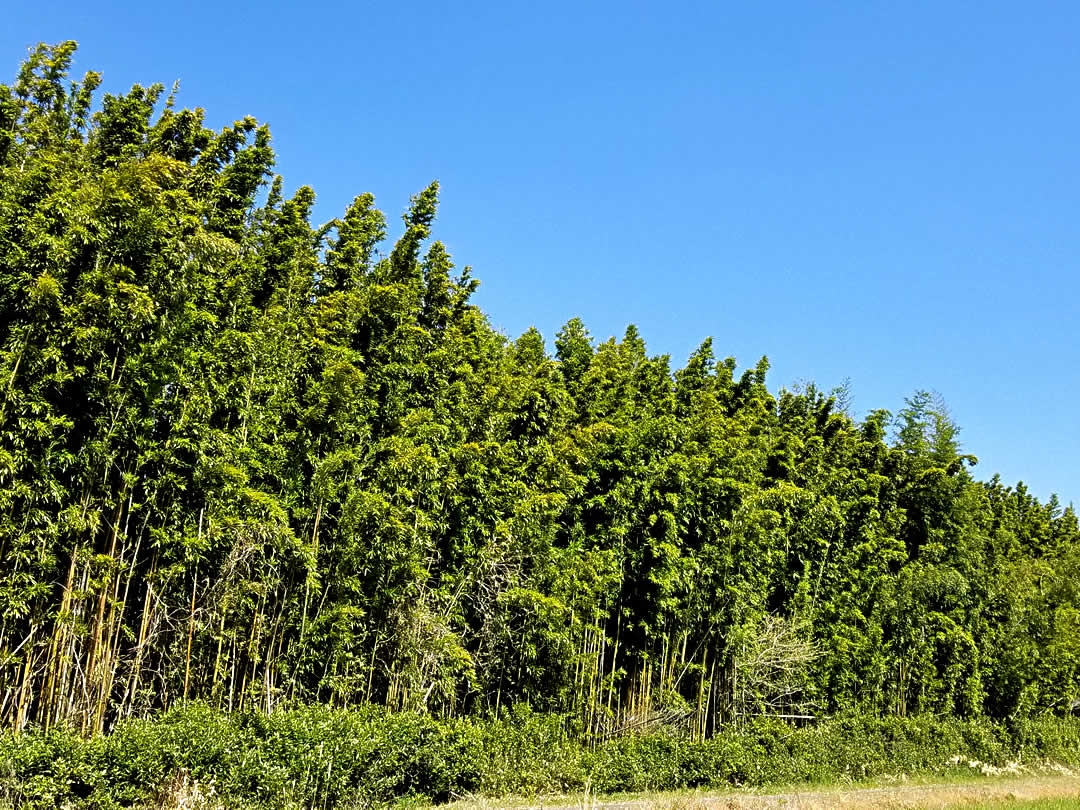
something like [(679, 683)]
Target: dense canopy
[(255, 461)]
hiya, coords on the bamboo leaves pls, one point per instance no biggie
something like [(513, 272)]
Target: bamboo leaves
[(249, 460)]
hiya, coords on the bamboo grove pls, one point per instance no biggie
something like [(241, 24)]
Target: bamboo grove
[(255, 462)]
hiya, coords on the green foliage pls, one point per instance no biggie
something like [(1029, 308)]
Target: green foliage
[(252, 461), (321, 757)]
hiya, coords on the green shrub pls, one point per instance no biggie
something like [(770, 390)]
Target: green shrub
[(526, 753), (316, 756)]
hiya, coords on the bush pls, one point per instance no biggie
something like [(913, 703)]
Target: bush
[(316, 756)]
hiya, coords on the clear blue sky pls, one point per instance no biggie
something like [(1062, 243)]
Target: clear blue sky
[(886, 191)]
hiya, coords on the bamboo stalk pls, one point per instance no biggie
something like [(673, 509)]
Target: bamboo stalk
[(93, 659), (51, 680), (190, 634)]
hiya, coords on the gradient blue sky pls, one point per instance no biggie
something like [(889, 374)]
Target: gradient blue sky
[(885, 191)]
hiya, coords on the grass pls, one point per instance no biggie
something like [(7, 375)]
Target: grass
[(1026, 804), (1052, 790)]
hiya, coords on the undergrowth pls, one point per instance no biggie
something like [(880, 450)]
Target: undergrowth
[(318, 757)]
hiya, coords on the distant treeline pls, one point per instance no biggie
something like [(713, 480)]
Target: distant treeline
[(254, 462)]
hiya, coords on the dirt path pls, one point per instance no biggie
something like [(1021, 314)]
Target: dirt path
[(894, 797)]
